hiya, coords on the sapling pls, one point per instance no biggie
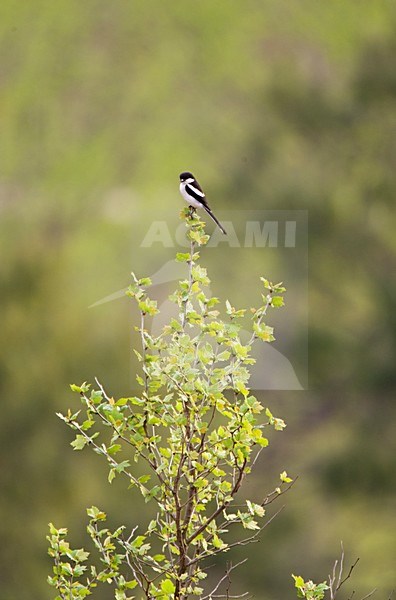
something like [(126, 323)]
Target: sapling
[(195, 428)]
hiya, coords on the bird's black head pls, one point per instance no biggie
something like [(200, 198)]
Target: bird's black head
[(186, 175)]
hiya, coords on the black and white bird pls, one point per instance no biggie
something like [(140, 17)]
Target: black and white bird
[(195, 197)]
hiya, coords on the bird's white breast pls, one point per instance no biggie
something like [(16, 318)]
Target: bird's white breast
[(189, 199)]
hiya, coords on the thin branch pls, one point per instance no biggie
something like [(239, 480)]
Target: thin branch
[(272, 496), (249, 540), (336, 581), (339, 583), (256, 457), (369, 594), (221, 508), (263, 314), (190, 283), (348, 576), (229, 596), (230, 568), (253, 537)]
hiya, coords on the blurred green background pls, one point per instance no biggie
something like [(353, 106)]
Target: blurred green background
[(275, 105)]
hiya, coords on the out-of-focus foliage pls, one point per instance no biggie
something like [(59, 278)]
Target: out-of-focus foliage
[(278, 105)]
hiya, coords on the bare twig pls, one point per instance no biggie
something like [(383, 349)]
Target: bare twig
[(190, 263), (226, 576), (272, 496), (369, 594), (339, 583), (349, 574), (335, 579)]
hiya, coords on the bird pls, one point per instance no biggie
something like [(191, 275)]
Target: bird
[(195, 196)]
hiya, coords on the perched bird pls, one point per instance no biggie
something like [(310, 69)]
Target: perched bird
[(195, 197)]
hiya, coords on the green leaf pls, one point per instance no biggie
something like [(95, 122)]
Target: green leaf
[(96, 396), (138, 541), (240, 351), (278, 288), (79, 555), (277, 301), (52, 529), (247, 521), (79, 443), (148, 307), (277, 423), (145, 282), (218, 543), (87, 424), (298, 580), (130, 585), (266, 283), (159, 557), (144, 479), (264, 332), (81, 389), (182, 256), (285, 478), (259, 438), (197, 591), (120, 468), (96, 514), (114, 448), (255, 509), (153, 493), (167, 586), (152, 526)]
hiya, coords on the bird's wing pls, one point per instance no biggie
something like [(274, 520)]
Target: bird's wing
[(195, 190)]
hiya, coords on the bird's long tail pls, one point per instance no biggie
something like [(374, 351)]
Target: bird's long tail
[(219, 225)]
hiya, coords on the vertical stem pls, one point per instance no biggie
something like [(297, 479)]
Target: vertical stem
[(190, 282), (144, 350)]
